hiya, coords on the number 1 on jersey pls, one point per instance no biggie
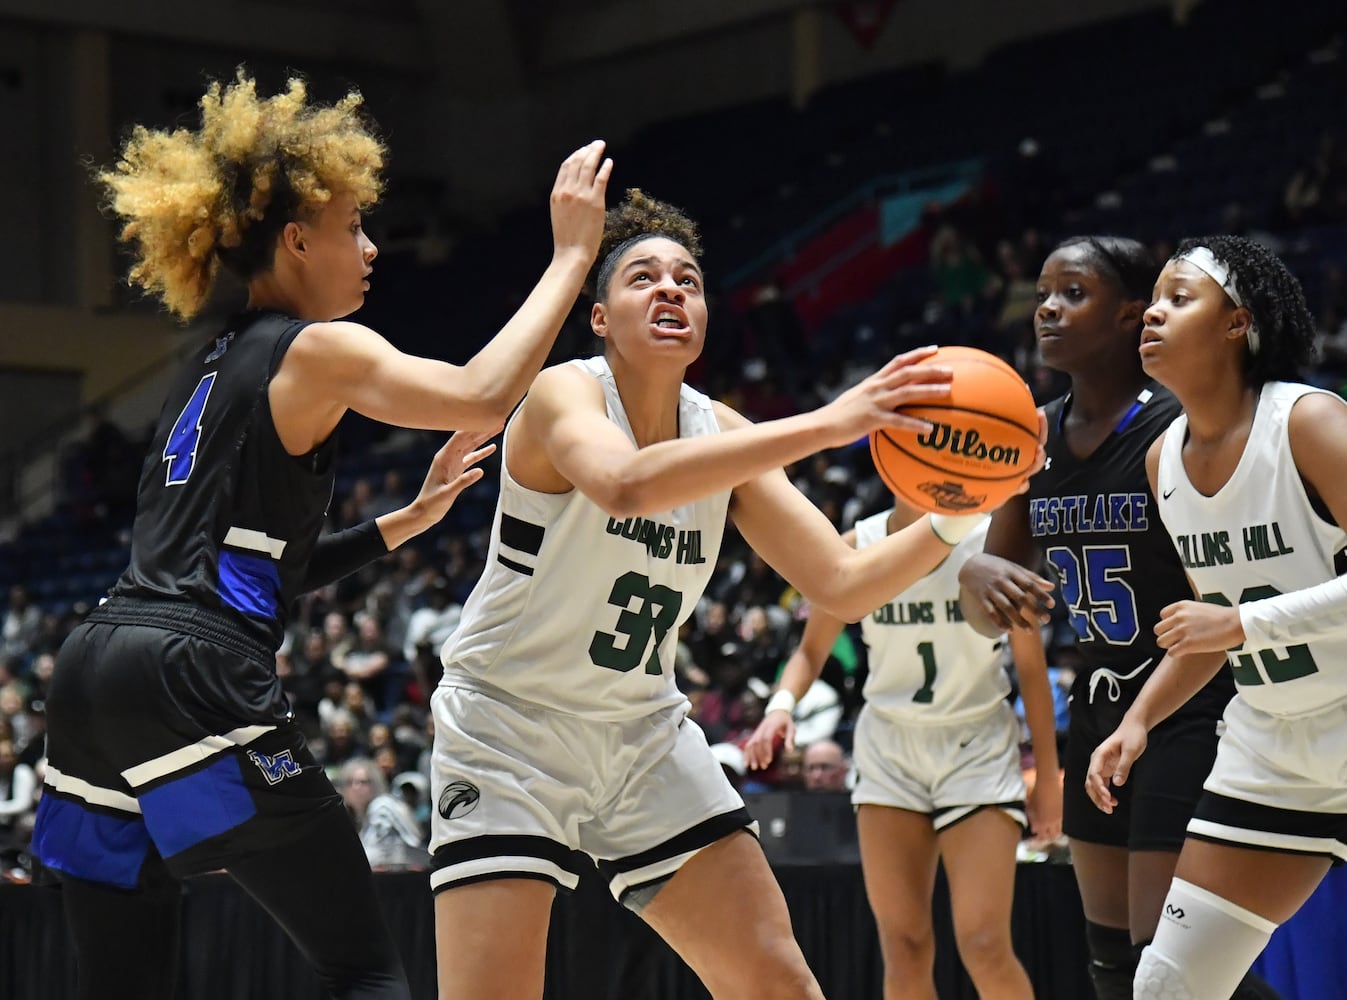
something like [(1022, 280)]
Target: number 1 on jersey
[(180, 451), (925, 693)]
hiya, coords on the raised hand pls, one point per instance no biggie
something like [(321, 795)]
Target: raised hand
[(453, 470), (1012, 596), (578, 200)]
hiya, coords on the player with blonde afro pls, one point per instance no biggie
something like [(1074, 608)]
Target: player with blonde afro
[(171, 744)]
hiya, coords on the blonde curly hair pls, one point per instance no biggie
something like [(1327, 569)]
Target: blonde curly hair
[(637, 217), (192, 201)]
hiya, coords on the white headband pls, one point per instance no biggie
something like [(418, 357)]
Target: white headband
[(1204, 260)]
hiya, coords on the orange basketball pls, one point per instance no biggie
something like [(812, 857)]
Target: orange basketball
[(982, 442)]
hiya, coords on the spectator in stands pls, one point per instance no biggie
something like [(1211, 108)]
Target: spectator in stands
[(387, 825), (19, 629), (598, 452), (357, 702), (1317, 191), (761, 647), (309, 670), (392, 495), (342, 739), (369, 660), (430, 625), (825, 767), (966, 288), (18, 789), (40, 675), (1019, 298)]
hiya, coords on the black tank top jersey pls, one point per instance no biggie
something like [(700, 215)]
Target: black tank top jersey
[(1115, 564), (226, 519)]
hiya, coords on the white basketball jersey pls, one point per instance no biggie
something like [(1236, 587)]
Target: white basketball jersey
[(926, 663), (1257, 537), (579, 612)]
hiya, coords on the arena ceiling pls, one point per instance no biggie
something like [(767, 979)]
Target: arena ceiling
[(413, 36)]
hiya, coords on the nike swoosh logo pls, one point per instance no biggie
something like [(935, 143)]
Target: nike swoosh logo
[(1169, 492)]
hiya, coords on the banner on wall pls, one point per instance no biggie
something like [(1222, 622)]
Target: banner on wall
[(865, 18)]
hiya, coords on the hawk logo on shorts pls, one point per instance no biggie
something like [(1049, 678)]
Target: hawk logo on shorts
[(275, 769), (458, 799)]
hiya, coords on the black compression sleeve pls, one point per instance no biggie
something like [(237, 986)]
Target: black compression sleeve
[(342, 553)]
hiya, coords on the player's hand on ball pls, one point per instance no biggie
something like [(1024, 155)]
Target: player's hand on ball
[(875, 401)]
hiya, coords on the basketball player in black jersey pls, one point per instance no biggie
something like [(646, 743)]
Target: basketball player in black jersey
[(172, 748), (1091, 514)]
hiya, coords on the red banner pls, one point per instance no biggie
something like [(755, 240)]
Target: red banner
[(865, 18)]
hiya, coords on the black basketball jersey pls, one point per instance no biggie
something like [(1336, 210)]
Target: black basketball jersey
[(225, 517), (1116, 565)]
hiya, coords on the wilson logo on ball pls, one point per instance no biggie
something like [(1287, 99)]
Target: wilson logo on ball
[(969, 443), (976, 445)]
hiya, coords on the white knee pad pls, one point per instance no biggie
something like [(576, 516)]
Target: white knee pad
[(1202, 948)]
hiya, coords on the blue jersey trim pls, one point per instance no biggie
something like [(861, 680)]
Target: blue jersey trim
[(76, 840), (201, 805), (250, 584)]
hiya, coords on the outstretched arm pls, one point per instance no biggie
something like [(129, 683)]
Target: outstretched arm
[(333, 367), (452, 471), (565, 415)]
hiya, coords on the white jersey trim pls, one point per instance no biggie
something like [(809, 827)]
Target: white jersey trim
[(176, 760), (255, 541), (1263, 838), (502, 866), (92, 794)]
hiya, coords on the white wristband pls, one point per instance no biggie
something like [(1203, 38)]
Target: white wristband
[(782, 701), (954, 528)]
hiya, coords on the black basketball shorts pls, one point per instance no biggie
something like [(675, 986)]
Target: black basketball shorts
[(159, 739), (1157, 801)]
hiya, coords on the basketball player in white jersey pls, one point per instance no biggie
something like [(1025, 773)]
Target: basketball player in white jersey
[(1250, 487), (938, 768), (559, 728)]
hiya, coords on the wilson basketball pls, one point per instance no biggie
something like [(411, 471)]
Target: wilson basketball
[(982, 440)]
